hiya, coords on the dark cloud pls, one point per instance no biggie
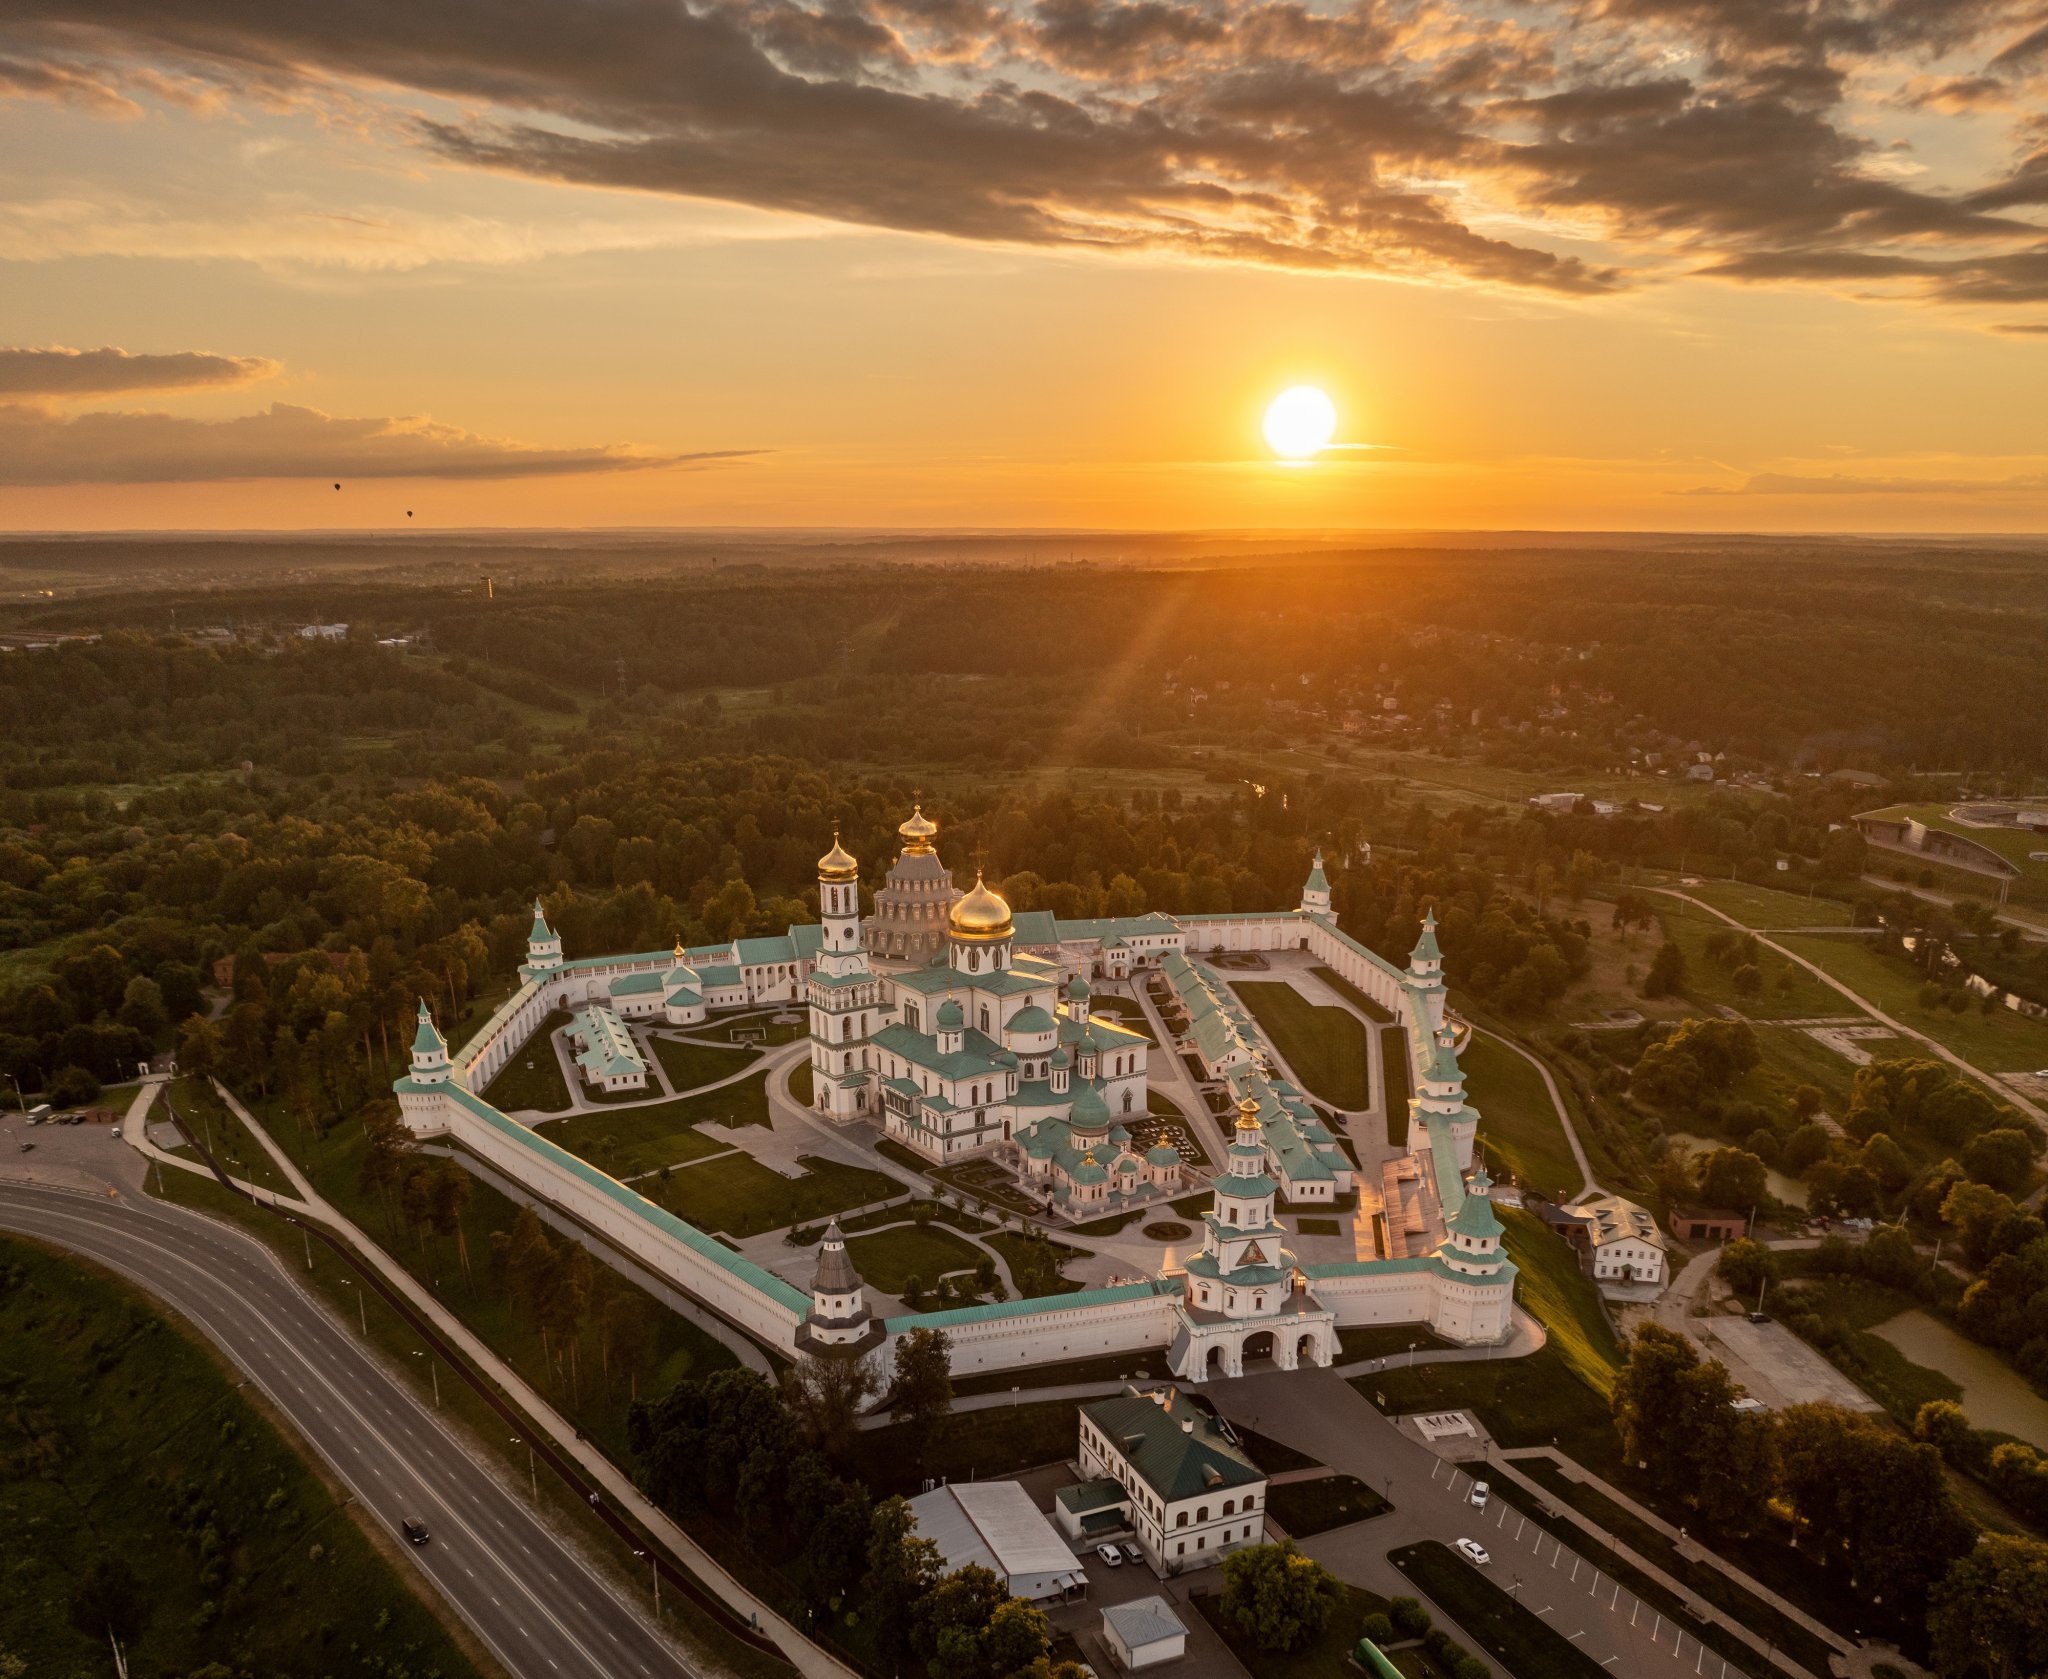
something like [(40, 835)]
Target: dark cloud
[(41, 447), (1407, 137), (61, 372)]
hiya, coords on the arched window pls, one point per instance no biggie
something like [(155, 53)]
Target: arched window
[(1202, 1515), (1230, 1506)]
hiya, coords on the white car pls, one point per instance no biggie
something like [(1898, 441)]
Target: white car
[(1111, 1555), (1473, 1552), (1480, 1493)]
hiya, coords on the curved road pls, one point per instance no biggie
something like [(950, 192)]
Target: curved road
[(525, 1593)]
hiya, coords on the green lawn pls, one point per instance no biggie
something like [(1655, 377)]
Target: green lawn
[(125, 1439), (1523, 1401), (1518, 1123), (801, 1085), (1709, 984), (1394, 1063), (1327, 1656), (890, 1258), (634, 1140), (1306, 1508), (1518, 1638), (2000, 1042), (970, 1445), (1764, 908), (737, 1195), (1562, 1298), (1357, 998), (1324, 1046), (532, 1080), (691, 1065), (1034, 1263)]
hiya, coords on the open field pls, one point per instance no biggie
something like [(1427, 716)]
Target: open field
[(132, 1445), (2000, 1042), (532, 1080), (691, 1065), (736, 1194), (1788, 991), (891, 1258), (1518, 1123), (636, 1140), (1764, 909), (1324, 1046), (1357, 998)]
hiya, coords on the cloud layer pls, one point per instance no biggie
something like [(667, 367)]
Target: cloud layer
[(1574, 146), (61, 372), (40, 447)]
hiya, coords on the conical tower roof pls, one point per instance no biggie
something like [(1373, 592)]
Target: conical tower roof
[(541, 929), (1317, 880), (428, 1040), (835, 1274), (1426, 946)]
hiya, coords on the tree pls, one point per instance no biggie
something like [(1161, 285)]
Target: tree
[(69, 1087), (1806, 1145), (1746, 1266), (201, 1044), (1667, 971), (968, 1626), (1650, 1401), (2001, 1157), (142, 1007), (1277, 1597), (1748, 980), (1731, 1177), (826, 1396), (922, 1391), (1990, 1612), (901, 1569)]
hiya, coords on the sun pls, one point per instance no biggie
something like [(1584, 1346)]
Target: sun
[(1300, 422)]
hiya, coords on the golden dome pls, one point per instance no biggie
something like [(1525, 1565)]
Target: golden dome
[(918, 831), (838, 864), (980, 915), (1248, 1114)]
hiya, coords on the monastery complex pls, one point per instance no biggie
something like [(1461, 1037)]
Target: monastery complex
[(964, 1031)]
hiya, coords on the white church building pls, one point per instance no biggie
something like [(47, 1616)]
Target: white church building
[(990, 1045)]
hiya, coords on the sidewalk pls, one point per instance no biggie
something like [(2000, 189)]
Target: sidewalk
[(805, 1656)]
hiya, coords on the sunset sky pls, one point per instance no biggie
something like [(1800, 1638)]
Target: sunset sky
[(1618, 264)]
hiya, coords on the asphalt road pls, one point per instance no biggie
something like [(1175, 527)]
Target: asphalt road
[(525, 1593)]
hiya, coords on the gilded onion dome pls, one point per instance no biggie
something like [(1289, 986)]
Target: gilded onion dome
[(838, 864), (1248, 1114), (981, 916), (917, 832)]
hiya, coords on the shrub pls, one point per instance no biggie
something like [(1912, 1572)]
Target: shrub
[(1378, 1628), (1410, 1619)]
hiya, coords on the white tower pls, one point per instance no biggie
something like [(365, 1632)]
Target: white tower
[(1440, 1096), (429, 1051), (839, 1320), (1426, 972), (845, 995), (543, 946), (1315, 893)]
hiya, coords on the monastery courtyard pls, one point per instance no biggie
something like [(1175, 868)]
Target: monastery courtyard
[(726, 1137)]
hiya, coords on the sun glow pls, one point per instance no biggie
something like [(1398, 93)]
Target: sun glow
[(1300, 423)]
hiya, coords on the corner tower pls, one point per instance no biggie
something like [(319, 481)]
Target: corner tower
[(1315, 891), (839, 1323), (543, 947)]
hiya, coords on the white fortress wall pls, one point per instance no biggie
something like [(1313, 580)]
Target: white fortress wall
[(1015, 1334)]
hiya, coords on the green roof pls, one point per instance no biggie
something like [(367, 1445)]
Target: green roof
[(1317, 880), (427, 1040), (1175, 1461), (1031, 1018), (1031, 1306), (760, 953), (1426, 946), (541, 929)]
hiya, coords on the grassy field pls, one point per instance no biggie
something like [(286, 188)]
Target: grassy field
[(1358, 999), (634, 1140), (737, 1195), (1327, 1656), (1763, 908), (690, 1065), (2000, 1042), (1324, 1046), (890, 1258), (802, 1085), (1789, 991), (1523, 1401), (970, 1446), (1306, 1508), (1518, 1638), (124, 1439), (1028, 1268), (1562, 1298), (1394, 1064), (532, 1080), (1518, 1123)]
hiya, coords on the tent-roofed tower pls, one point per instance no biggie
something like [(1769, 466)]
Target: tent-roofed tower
[(543, 946), (1425, 977), (844, 994), (909, 919), (430, 1064), (1315, 891), (839, 1323)]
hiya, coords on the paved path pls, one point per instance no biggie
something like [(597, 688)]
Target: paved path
[(2003, 1091), (529, 1596)]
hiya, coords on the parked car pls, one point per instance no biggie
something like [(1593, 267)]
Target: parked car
[(1480, 1493), (1473, 1552), (1111, 1555), (115, 1133), (1131, 1552), (1759, 1317), (415, 1531), (25, 1147)]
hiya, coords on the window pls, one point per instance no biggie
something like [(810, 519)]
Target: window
[(1181, 1520), (1202, 1515)]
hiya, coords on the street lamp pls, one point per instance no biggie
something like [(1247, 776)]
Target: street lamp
[(533, 1474)]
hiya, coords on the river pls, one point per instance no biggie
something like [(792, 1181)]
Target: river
[(1994, 1394), (1789, 1190)]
